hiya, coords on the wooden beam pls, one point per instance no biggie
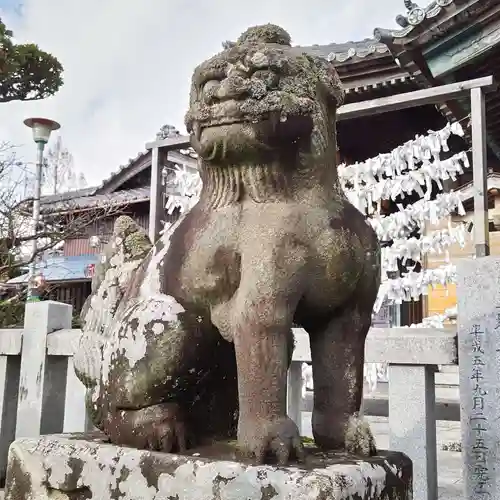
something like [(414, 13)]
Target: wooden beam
[(177, 142), (480, 173), (187, 161), (416, 98), (465, 51)]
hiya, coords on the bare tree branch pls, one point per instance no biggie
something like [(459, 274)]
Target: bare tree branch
[(16, 226)]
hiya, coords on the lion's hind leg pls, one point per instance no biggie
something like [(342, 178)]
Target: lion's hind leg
[(337, 351), (158, 365)]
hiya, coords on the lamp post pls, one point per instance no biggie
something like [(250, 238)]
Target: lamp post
[(42, 127)]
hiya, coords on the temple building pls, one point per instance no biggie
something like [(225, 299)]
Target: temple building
[(443, 42)]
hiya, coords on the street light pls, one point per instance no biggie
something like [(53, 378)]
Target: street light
[(42, 127)]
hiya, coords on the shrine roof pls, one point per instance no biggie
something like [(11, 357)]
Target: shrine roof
[(87, 199), (339, 53), (423, 24)]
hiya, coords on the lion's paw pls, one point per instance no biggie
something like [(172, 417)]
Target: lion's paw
[(159, 428), (278, 438), (359, 439)]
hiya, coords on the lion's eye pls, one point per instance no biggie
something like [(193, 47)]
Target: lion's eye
[(210, 86), (208, 90), (210, 78)]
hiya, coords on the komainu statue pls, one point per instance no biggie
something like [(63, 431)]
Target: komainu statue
[(189, 340)]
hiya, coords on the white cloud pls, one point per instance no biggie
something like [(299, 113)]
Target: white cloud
[(128, 64)]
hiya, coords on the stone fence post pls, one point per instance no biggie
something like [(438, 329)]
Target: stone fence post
[(478, 292), (40, 319)]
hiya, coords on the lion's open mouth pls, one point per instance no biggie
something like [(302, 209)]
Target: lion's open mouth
[(199, 127), (222, 122), (276, 106)]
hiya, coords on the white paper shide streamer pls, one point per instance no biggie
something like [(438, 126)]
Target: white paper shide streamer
[(413, 167), (183, 188), (416, 166)]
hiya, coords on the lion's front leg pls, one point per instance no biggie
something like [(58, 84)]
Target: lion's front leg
[(259, 319), (263, 344)]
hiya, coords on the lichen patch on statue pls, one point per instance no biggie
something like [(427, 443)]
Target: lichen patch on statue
[(121, 257), (188, 342)]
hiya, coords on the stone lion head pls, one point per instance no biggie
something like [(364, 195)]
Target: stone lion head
[(260, 95)]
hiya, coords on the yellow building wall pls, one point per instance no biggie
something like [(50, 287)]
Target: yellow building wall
[(441, 298)]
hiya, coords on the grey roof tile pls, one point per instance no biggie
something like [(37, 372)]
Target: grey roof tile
[(91, 200), (189, 152), (416, 16), (339, 53), (68, 195)]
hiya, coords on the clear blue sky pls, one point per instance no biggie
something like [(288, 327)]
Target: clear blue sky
[(10, 5)]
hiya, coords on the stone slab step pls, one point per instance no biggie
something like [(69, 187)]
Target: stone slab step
[(378, 405), (449, 379), (443, 391), (196, 475)]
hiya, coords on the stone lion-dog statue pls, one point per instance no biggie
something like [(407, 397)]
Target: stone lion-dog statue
[(189, 340)]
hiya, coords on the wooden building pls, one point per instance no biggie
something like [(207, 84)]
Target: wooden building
[(443, 42), (125, 192)]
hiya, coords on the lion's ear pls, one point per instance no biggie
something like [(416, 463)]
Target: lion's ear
[(332, 86), (337, 89)]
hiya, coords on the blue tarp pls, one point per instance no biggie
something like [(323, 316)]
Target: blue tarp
[(60, 269)]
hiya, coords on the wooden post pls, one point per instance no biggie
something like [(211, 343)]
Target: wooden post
[(480, 173), (432, 95), (156, 209)]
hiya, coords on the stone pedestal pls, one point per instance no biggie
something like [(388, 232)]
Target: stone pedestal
[(78, 467)]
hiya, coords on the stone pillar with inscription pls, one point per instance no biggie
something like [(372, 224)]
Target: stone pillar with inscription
[(478, 291)]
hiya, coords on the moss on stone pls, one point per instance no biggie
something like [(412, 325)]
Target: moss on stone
[(124, 225), (266, 33), (137, 245), (453, 446), (359, 439), (303, 86)]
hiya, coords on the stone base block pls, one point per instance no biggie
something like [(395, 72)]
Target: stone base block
[(78, 467)]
